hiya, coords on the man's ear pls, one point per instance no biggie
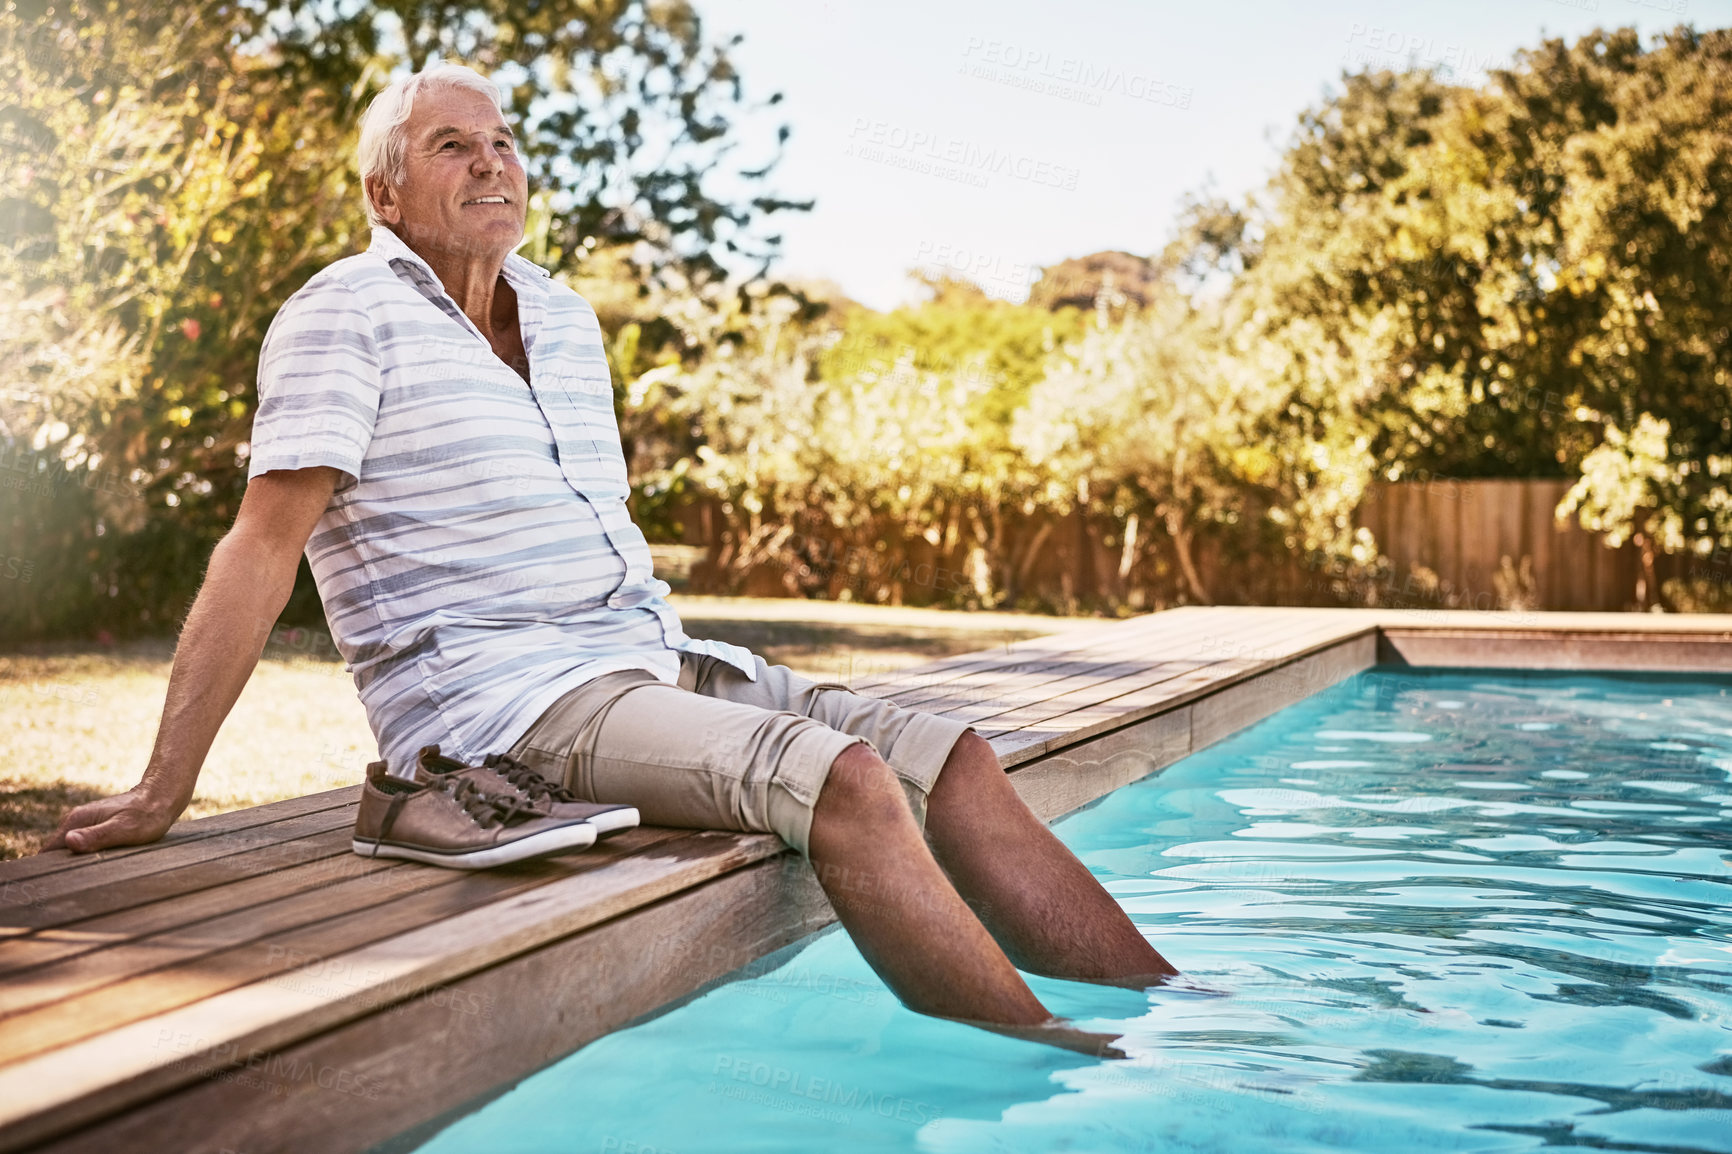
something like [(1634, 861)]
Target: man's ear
[(384, 198)]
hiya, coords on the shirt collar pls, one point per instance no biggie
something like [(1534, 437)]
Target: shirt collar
[(521, 272)]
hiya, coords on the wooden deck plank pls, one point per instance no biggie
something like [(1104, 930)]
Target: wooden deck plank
[(141, 939), (67, 941), (295, 932), (351, 1088), (962, 663), (920, 683), (1272, 646), (985, 685), (128, 871), (59, 860), (977, 685), (1017, 746), (1113, 703), (1030, 686), (1084, 711), (999, 711), (1027, 683), (69, 983), (931, 673), (121, 893), (43, 1094), (1269, 643), (1181, 623)]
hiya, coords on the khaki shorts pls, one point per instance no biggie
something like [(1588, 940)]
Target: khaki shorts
[(720, 751)]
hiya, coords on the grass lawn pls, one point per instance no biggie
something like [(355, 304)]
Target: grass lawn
[(80, 720)]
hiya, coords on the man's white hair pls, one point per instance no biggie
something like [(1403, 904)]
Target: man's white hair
[(384, 127)]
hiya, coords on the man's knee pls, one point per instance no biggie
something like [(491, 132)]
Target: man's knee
[(862, 788), (862, 829), (974, 750), (972, 768)]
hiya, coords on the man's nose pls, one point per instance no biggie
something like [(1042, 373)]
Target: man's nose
[(487, 160)]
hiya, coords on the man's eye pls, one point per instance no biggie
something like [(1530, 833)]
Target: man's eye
[(449, 144)]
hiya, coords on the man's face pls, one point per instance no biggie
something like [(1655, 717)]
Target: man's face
[(464, 191)]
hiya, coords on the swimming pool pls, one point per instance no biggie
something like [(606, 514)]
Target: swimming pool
[(1436, 911)]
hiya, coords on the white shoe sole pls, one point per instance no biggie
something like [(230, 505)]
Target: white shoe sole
[(578, 835), (613, 820)]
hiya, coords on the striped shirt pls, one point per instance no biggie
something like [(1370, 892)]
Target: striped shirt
[(477, 560)]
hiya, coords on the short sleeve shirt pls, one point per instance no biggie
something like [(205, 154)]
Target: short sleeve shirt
[(477, 560)]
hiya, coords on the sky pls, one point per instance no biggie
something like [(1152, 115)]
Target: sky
[(989, 137)]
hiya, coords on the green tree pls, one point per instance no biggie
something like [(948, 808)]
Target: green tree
[(1645, 259), (1502, 280), (164, 195)]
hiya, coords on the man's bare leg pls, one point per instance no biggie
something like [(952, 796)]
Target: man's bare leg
[(902, 912), (1043, 905)]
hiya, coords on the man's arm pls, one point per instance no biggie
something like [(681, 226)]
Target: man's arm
[(251, 574)]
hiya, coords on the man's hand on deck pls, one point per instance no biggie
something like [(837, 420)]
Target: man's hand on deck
[(130, 818)]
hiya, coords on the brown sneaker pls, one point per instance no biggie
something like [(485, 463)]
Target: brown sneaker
[(450, 821), (561, 801), (502, 773)]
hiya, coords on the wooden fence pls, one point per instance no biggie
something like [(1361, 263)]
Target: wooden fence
[(1495, 544), (1487, 544)]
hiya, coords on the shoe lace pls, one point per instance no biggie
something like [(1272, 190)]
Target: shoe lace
[(488, 809), (526, 779)]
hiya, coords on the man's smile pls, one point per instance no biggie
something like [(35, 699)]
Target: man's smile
[(487, 200)]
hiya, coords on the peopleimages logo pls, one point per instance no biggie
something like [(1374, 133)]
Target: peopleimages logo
[(994, 274), (949, 157), (1065, 77), (770, 1082), (1371, 46)]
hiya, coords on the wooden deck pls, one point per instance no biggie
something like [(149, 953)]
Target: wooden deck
[(250, 984)]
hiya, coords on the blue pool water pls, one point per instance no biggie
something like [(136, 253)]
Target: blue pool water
[(1452, 911)]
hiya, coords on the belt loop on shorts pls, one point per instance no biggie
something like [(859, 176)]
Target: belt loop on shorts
[(688, 678)]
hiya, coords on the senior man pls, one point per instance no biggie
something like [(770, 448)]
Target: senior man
[(435, 430)]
